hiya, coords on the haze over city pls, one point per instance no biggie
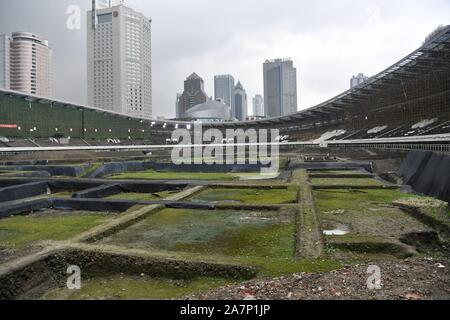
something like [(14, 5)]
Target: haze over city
[(328, 43)]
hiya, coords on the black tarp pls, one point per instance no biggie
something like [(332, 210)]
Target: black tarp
[(427, 173)]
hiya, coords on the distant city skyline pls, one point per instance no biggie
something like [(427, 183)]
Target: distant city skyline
[(326, 44)]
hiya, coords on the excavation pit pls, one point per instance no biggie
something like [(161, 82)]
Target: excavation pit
[(255, 196), (173, 175), (346, 182), (20, 234), (367, 221), (107, 274), (260, 238)]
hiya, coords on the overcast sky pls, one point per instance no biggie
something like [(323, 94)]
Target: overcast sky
[(328, 40)]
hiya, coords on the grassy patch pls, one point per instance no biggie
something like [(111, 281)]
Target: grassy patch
[(13, 172), (91, 169), (142, 196), (62, 194), (126, 288), (261, 239), (248, 196), (346, 181), (17, 232), (368, 215), (336, 199), (171, 175), (336, 172)]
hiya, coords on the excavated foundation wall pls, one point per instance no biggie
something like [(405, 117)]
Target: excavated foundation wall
[(332, 166), (22, 191), (136, 166), (68, 171), (117, 167), (34, 279), (427, 173), (7, 210)]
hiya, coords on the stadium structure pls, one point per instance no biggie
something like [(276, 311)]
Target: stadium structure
[(363, 181), (409, 99)]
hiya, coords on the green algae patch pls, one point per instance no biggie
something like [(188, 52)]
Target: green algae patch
[(134, 288), (20, 231), (248, 195)]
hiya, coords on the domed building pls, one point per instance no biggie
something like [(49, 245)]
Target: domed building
[(210, 111)]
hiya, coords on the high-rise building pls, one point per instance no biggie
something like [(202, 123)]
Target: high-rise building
[(240, 103), (26, 64), (193, 94), (258, 106), (224, 89), (357, 80), (280, 87), (177, 105), (5, 66), (119, 70)]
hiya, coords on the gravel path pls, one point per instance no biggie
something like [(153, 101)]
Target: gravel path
[(410, 279)]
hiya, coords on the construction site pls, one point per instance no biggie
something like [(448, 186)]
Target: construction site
[(363, 180)]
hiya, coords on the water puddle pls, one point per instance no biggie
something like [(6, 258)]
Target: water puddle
[(339, 230), (255, 218), (335, 232)]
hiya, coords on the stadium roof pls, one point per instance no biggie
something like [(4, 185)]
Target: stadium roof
[(40, 99)]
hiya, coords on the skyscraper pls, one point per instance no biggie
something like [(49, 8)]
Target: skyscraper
[(193, 94), (119, 71), (4, 60), (177, 105), (224, 89), (240, 103), (258, 106), (26, 64), (357, 80), (280, 87)]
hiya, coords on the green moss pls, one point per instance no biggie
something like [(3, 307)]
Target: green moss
[(13, 172), (63, 194), (248, 195), (24, 230), (170, 175), (335, 199), (91, 169), (346, 181), (126, 288), (336, 172), (261, 239), (142, 196)]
